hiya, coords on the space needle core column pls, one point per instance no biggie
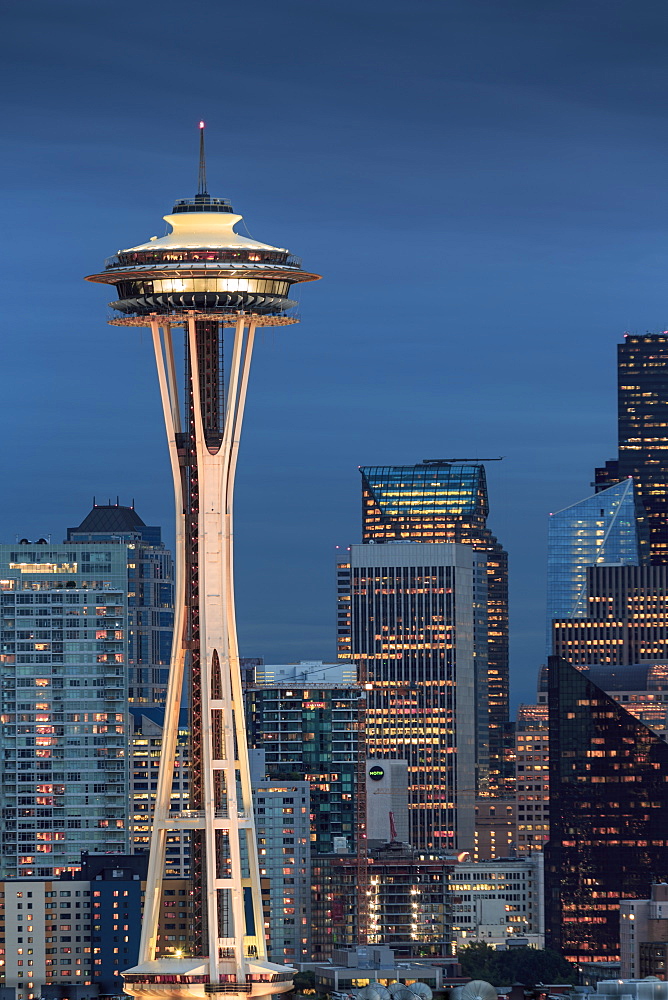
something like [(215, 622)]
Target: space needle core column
[(219, 287)]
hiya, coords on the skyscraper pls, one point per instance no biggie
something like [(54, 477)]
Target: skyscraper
[(446, 501), (608, 815), (626, 614), (413, 624), (65, 720), (150, 595), (604, 528), (532, 755), (642, 406), (206, 278)]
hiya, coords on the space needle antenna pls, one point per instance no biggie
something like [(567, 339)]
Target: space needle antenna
[(201, 186)]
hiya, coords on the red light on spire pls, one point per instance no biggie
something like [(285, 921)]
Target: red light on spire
[(201, 124)]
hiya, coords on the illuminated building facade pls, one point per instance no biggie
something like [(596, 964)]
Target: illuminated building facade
[(608, 815), (147, 734), (150, 586), (307, 720), (640, 688), (409, 908), (604, 528), (532, 784), (437, 502), (65, 720), (311, 729), (73, 936), (45, 925), (219, 287), (413, 624), (495, 828), (627, 611), (282, 819), (642, 408)]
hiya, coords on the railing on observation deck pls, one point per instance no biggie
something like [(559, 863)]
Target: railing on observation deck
[(177, 256)]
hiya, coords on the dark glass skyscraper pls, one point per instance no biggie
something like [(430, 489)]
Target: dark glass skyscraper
[(642, 405), (441, 501), (608, 814)]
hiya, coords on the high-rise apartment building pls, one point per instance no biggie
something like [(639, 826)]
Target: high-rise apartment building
[(446, 501), (307, 722), (282, 819), (150, 586), (495, 828), (308, 718), (642, 406), (608, 815), (409, 903), (65, 718), (77, 619), (625, 622), (608, 527), (413, 619)]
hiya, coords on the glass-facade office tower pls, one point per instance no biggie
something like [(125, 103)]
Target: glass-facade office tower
[(440, 502), (412, 613), (642, 406), (150, 586), (65, 719), (627, 611), (608, 815), (603, 528)]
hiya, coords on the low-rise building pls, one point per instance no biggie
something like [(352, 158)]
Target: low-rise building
[(498, 901), (73, 936), (630, 989), (357, 967), (643, 926)]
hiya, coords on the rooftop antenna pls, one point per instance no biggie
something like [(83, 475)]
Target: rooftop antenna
[(201, 187)]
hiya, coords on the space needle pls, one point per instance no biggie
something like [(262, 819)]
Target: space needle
[(218, 287)]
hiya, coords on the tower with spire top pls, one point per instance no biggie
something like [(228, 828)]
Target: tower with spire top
[(218, 286)]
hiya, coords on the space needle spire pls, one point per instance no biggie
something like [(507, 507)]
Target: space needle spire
[(218, 287), (201, 186)]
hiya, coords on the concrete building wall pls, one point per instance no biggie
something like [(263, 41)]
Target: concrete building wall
[(386, 792), (497, 901)]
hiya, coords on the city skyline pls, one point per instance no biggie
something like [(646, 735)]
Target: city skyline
[(535, 191)]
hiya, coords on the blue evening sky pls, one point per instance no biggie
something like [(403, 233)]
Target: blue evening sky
[(482, 184)]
